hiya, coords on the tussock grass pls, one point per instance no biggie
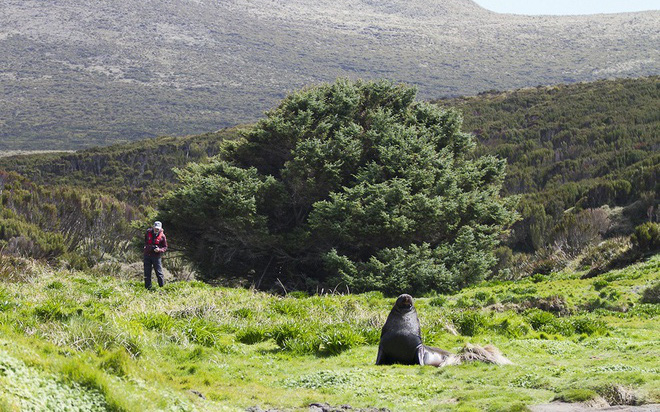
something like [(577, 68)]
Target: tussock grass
[(139, 350)]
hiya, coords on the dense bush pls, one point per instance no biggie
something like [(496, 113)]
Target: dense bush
[(353, 182), (646, 237), (652, 294)]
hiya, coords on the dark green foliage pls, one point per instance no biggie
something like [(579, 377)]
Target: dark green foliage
[(589, 326), (252, 335), (646, 237), (577, 146), (438, 301), (600, 284), (569, 148), (651, 294), (350, 182), (55, 309)]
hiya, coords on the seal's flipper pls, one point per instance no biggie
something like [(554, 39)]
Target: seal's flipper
[(421, 354), (379, 357), (439, 357)]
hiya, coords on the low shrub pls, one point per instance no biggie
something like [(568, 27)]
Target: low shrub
[(438, 301), (605, 255), (512, 328), (540, 320), (555, 304), (244, 313), (651, 294), (544, 267), (646, 237), (6, 301), (55, 285), (600, 284), (484, 298), (538, 278), (16, 269), (370, 333), (289, 307), (75, 370), (530, 381)]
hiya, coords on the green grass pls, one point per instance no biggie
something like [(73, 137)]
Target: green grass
[(127, 349)]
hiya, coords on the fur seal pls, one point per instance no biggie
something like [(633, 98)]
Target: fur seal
[(401, 342)]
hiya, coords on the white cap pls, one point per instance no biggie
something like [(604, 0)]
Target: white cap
[(158, 225)]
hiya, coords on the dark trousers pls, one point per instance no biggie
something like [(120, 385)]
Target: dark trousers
[(155, 262)]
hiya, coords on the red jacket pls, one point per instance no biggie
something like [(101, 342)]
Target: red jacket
[(153, 240)]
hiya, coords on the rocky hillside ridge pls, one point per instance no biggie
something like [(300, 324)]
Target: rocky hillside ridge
[(82, 74)]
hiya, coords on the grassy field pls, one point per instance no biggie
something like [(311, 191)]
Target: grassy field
[(90, 341)]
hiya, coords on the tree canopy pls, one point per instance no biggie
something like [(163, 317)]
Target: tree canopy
[(351, 183)]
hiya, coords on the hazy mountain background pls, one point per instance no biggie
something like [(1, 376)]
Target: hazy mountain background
[(79, 74)]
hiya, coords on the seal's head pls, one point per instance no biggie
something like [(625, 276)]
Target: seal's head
[(404, 302)]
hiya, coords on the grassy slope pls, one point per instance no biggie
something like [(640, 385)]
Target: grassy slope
[(71, 336)]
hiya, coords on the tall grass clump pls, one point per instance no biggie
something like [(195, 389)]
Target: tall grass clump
[(82, 333), (161, 322), (6, 301), (55, 309), (116, 362), (339, 338), (75, 370), (470, 323), (251, 335), (576, 395)]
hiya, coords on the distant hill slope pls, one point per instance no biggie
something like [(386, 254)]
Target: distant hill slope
[(80, 74)]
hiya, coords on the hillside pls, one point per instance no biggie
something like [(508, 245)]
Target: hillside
[(588, 145), (585, 145), (98, 341), (136, 171), (85, 74)]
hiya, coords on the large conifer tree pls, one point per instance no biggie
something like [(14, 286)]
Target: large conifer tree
[(351, 183)]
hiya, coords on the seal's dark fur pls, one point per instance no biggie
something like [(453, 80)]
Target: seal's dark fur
[(401, 342)]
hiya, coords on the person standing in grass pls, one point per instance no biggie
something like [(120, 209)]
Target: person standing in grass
[(155, 244)]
